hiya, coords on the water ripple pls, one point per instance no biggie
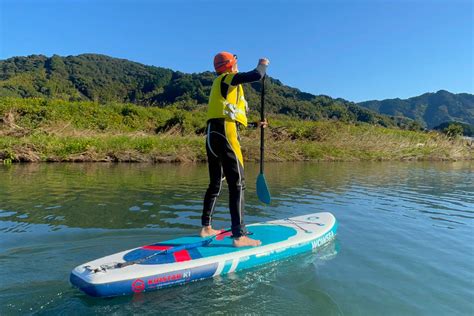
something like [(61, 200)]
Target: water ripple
[(404, 244)]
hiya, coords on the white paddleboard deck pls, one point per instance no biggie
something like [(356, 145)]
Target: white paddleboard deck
[(280, 239)]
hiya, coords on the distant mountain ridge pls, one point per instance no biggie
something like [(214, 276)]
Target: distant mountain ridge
[(430, 109), (104, 79)]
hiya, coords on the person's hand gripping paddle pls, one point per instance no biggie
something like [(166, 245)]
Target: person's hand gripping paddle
[(262, 188)]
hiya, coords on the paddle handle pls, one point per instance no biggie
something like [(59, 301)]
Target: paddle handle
[(262, 130)]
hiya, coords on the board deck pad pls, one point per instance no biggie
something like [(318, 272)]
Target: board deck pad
[(280, 239), (222, 244)]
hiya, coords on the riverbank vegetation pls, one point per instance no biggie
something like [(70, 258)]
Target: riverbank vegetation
[(38, 129)]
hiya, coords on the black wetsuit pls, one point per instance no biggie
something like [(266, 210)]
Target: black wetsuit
[(223, 161)]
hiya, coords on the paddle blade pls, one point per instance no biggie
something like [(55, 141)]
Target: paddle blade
[(263, 193)]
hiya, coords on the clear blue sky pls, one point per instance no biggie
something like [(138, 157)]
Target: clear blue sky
[(357, 50)]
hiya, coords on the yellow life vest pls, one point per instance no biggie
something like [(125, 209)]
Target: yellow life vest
[(233, 107)]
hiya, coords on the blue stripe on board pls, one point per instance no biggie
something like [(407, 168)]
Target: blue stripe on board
[(227, 266)]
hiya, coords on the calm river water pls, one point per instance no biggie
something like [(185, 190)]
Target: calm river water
[(405, 244)]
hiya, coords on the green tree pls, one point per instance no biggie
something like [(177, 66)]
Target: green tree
[(453, 130)]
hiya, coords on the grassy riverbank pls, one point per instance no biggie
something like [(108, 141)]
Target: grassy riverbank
[(44, 130)]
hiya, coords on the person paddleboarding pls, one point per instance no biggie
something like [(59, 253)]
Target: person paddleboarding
[(227, 112)]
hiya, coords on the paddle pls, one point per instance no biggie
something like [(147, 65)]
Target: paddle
[(262, 188), (202, 243)]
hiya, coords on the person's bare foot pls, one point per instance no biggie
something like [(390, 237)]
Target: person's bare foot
[(245, 241), (207, 231)]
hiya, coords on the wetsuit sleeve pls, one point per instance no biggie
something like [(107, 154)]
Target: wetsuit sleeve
[(251, 76), (244, 77)]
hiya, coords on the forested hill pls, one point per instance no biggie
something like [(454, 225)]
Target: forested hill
[(105, 79), (430, 109)]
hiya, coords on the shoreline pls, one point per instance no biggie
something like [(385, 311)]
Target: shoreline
[(191, 149), (37, 130)]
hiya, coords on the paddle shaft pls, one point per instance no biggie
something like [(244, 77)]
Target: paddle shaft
[(262, 130)]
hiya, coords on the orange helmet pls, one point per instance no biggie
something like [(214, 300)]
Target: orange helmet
[(224, 61)]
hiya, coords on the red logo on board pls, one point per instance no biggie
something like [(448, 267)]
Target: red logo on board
[(138, 286)]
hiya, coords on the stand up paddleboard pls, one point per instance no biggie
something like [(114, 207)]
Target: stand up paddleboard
[(187, 259)]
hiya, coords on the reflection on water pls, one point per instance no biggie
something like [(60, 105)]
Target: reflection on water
[(138, 195), (401, 226)]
